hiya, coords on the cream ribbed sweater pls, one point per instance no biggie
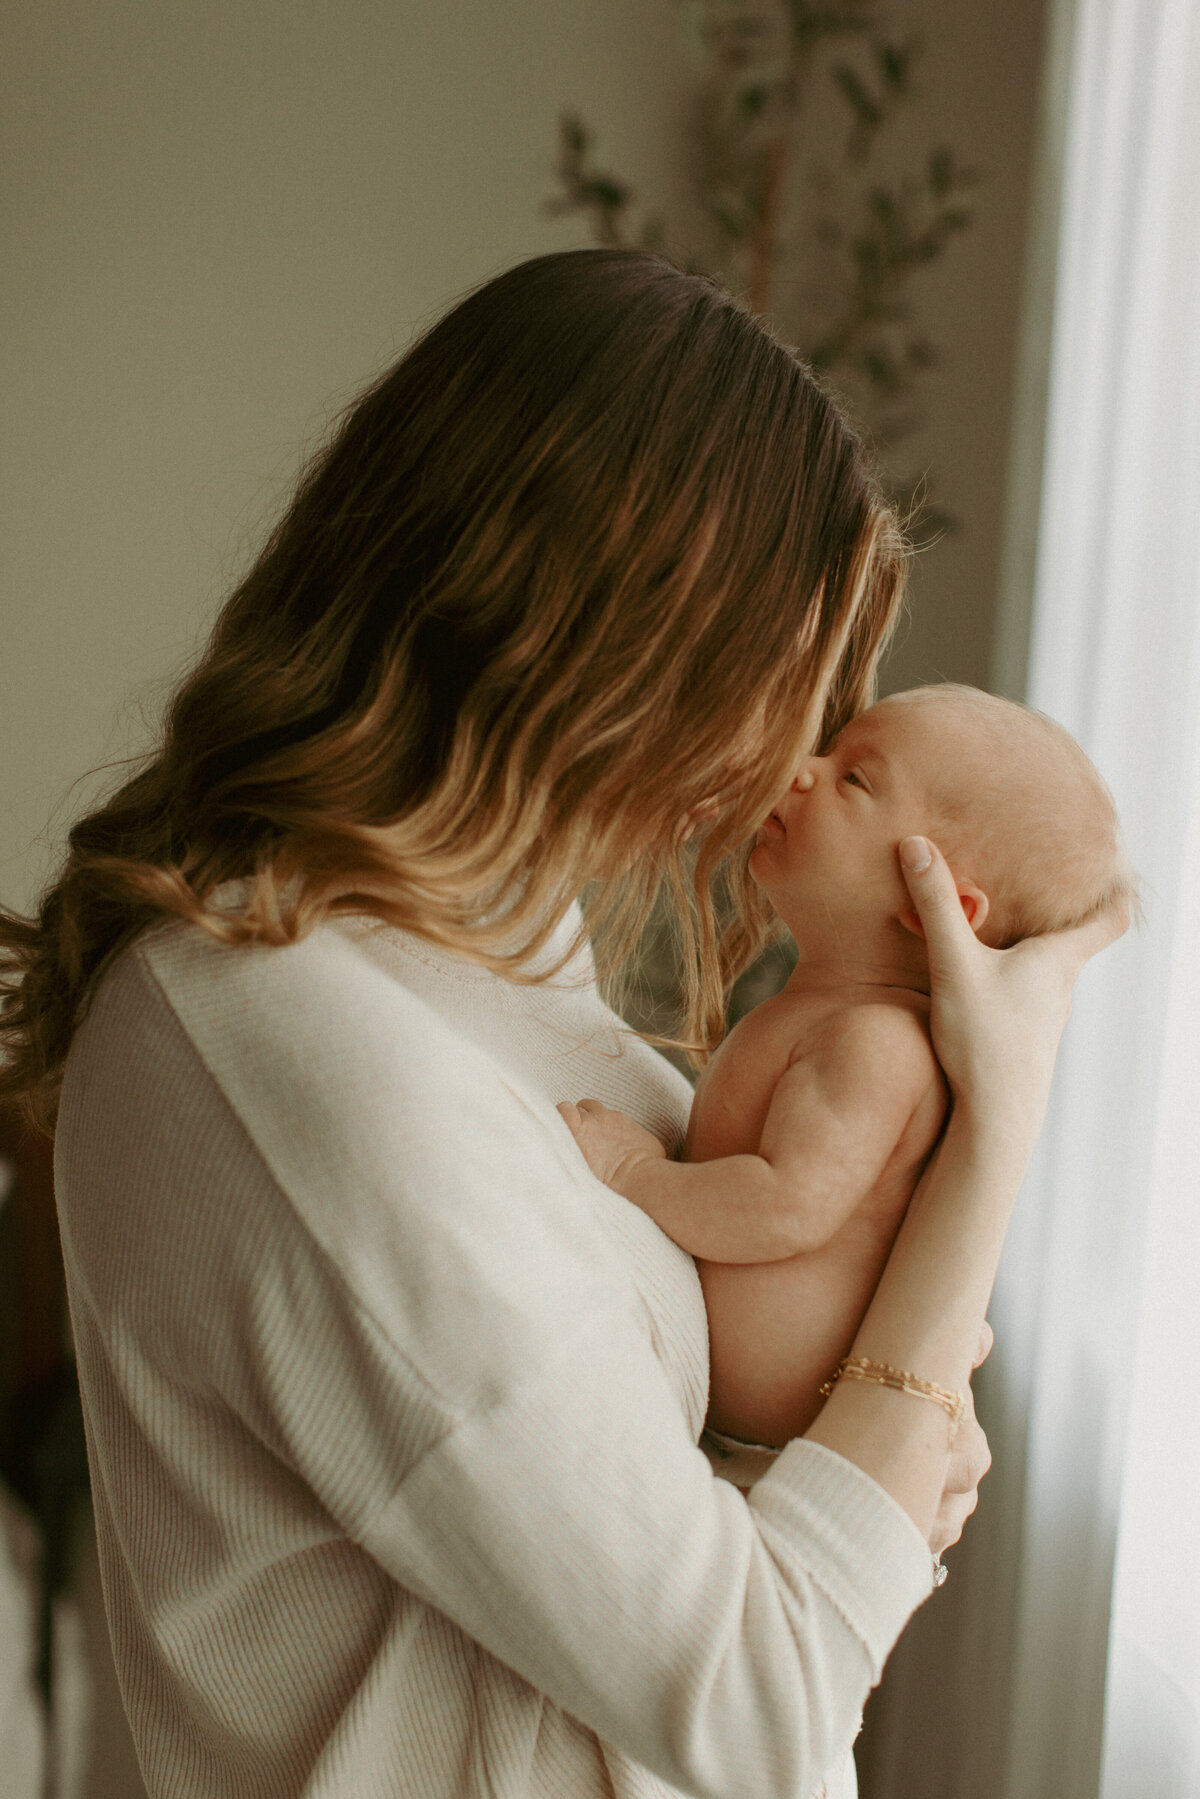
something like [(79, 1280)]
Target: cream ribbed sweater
[(393, 1408)]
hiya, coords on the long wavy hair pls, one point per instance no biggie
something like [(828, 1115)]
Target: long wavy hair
[(596, 553)]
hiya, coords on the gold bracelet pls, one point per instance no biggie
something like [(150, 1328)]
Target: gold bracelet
[(857, 1367)]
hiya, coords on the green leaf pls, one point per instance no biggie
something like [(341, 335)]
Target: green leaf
[(752, 101), (865, 108), (955, 218), (941, 172), (880, 368), (810, 23), (734, 225), (926, 523), (886, 208), (602, 190), (895, 62), (869, 258)]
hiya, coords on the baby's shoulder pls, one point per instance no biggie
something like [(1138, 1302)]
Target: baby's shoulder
[(875, 1039)]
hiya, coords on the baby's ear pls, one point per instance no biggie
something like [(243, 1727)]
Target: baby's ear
[(974, 902)]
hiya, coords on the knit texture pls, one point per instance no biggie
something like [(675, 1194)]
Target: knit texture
[(393, 1409)]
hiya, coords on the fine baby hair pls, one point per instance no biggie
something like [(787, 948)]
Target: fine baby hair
[(1018, 807)]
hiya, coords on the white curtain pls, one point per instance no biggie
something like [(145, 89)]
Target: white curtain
[(1098, 1306)]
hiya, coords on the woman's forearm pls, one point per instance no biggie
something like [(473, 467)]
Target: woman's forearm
[(926, 1316), (995, 1022)]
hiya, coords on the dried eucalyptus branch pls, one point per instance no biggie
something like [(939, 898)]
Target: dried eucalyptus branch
[(601, 197), (800, 211), (867, 343)]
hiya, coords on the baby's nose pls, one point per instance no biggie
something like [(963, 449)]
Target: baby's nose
[(806, 777)]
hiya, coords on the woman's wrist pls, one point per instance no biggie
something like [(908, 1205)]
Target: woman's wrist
[(903, 1444), (995, 1137), (929, 1305)]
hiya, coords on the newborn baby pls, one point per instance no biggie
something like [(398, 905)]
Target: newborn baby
[(812, 1123)]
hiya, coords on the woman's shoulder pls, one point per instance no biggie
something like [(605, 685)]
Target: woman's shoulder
[(306, 1043), (320, 1012), (557, 1034), (251, 1135), (344, 1084), (373, 1110), (357, 1015)]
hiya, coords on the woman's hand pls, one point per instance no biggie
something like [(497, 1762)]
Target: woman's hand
[(970, 1459), (996, 1018), (997, 1015), (612, 1143)]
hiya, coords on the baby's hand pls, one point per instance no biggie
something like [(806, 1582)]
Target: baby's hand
[(613, 1144)]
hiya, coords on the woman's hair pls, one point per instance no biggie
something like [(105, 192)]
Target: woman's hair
[(596, 550)]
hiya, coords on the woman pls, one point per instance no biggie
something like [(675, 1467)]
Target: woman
[(392, 1409)]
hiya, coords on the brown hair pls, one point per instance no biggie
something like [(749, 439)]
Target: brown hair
[(1022, 810), (596, 527)]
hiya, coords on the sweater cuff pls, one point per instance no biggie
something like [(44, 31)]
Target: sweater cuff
[(860, 1546)]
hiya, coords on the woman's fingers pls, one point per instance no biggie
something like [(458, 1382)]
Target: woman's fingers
[(970, 1459), (969, 1462), (947, 933), (996, 1015), (967, 1019), (1073, 948), (949, 936)]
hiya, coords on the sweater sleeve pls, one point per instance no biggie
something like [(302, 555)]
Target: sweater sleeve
[(422, 1322)]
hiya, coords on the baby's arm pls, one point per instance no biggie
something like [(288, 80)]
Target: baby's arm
[(836, 1115)]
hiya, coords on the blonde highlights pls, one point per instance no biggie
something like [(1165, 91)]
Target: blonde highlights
[(595, 528)]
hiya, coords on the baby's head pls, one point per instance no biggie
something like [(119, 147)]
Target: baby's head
[(1024, 820), (1015, 806)]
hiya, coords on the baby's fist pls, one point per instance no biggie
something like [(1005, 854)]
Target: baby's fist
[(612, 1144)]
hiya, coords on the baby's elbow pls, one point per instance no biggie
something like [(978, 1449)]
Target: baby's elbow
[(798, 1226), (790, 1236), (808, 1235)]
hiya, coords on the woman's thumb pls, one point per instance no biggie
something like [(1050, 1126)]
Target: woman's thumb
[(935, 897)]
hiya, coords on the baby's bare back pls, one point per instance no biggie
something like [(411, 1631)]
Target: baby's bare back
[(851, 1094)]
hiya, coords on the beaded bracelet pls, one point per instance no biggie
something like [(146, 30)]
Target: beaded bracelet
[(857, 1367)]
